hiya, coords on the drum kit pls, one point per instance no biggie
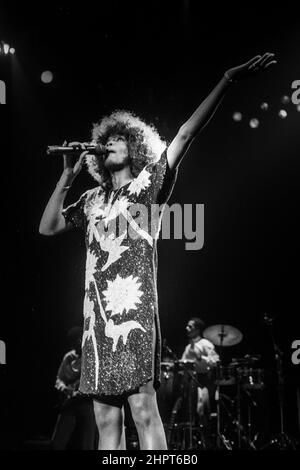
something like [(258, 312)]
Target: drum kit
[(231, 425)]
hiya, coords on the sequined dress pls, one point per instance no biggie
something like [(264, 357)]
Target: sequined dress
[(121, 342)]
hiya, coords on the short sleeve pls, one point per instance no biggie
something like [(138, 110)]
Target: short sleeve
[(208, 351), (163, 178), (75, 213)]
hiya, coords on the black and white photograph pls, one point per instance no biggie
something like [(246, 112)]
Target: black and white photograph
[(150, 195)]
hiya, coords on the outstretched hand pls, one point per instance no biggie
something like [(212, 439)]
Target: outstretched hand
[(252, 67)]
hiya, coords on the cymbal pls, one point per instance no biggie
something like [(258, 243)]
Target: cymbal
[(223, 335)]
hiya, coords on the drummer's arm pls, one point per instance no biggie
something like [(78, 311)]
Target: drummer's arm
[(210, 356), (184, 354), (60, 385)]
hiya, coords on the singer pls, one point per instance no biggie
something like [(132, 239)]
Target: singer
[(121, 341)]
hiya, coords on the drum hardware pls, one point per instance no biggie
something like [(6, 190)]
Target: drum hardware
[(174, 413), (243, 435), (181, 439), (222, 336), (247, 360), (282, 440), (250, 378), (241, 432), (225, 336), (224, 375), (186, 372), (251, 403), (233, 422), (234, 419)]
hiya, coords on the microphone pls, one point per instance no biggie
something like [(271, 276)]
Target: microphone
[(77, 149)]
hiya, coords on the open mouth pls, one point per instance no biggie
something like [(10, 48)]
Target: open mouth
[(107, 153)]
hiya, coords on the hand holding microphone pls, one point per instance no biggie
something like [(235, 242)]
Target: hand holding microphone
[(71, 169), (74, 149)]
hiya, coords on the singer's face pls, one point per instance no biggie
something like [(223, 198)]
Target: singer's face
[(117, 157)]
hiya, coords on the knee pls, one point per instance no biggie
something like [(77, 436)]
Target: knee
[(142, 414), (106, 418)]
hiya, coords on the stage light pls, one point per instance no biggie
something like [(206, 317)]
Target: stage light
[(282, 114), (47, 76), (285, 99), (237, 116), (254, 123), (298, 107), (5, 48), (264, 106)]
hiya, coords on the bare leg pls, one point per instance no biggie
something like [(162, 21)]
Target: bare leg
[(147, 419), (110, 423)]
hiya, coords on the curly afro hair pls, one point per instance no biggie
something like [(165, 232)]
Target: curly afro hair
[(144, 143)]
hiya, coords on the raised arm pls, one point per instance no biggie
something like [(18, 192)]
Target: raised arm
[(52, 221), (207, 108)]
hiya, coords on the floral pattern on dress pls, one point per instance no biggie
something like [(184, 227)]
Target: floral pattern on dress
[(121, 302)]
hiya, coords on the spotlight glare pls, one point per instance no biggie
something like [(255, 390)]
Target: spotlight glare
[(285, 99), (298, 107), (6, 48), (282, 114), (264, 106), (47, 76), (237, 116), (12, 50), (254, 123)]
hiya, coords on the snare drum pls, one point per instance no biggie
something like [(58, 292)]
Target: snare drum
[(251, 379)]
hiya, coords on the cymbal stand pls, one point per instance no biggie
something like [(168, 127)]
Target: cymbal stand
[(282, 439), (242, 434), (237, 422), (251, 404), (238, 414), (221, 439)]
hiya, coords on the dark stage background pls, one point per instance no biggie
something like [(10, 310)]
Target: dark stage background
[(160, 60)]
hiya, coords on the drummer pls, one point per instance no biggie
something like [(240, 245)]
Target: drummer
[(203, 353)]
